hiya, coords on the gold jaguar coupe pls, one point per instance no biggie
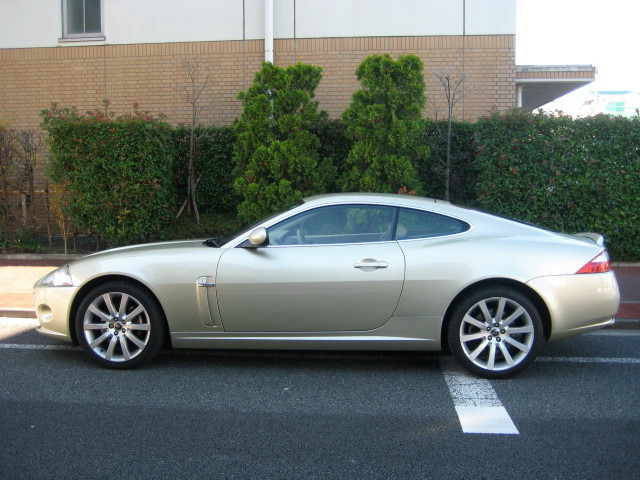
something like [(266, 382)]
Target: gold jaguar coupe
[(343, 271)]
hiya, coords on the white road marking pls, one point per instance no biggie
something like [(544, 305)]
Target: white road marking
[(614, 333), (478, 407), (627, 361), (24, 346), (480, 394), (19, 321)]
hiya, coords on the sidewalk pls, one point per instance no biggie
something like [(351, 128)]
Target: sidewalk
[(18, 273)]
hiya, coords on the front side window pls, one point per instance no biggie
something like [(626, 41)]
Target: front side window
[(82, 18), (338, 224), (414, 224)]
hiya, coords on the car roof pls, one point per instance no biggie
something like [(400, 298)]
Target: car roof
[(496, 224), (387, 198)]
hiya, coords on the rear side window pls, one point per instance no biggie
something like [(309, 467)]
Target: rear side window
[(420, 224)]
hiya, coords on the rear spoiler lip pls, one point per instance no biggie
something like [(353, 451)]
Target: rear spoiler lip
[(594, 237)]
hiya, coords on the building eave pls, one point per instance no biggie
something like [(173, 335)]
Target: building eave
[(538, 85)]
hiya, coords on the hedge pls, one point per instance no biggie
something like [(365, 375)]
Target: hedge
[(213, 166), (464, 149), (564, 174), (117, 170), (553, 171)]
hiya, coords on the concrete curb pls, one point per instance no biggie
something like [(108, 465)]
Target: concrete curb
[(17, 313), (42, 256)]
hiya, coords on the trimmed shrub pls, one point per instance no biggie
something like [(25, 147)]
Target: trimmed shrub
[(277, 161), (4, 241), (384, 123), (212, 224), (117, 170), (564, 174), (214, 166), (463, 155), (25, 241)]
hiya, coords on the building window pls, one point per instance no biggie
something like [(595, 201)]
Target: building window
[(82, 19), (615, 107)]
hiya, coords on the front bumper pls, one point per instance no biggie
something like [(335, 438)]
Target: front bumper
[(52, 306), (578, 303)]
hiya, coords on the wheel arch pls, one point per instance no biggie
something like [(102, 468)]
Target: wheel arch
[(96, 282), (498, 282)]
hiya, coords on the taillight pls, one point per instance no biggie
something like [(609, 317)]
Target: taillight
[(599, 264)]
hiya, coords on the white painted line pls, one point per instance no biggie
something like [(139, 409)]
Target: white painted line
[(614, 333), (478, 407), (23, 346), (626, 361), (18, 321), (469, 391), (487, 420)]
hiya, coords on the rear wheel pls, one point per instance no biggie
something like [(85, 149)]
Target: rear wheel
[(495, 332), (120, 325)]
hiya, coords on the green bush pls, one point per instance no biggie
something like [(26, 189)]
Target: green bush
[(334, 149), (212, 224), (213, 166), (4, 241), (25, 241), (463, 154), (564, 174), (384, 123), (117, 170), (277, 161)]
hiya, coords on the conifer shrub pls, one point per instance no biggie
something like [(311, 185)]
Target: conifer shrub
[(276, 153), (384, 123)]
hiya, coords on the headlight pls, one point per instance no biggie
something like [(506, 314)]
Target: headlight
[(58, 278)]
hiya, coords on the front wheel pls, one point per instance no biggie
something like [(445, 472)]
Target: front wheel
[(495, 332), (120, 325)]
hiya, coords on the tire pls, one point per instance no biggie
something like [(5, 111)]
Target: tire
[(120, 325), (495, 332)]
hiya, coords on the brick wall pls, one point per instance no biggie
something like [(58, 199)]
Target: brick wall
[(30, 79), (150, 75)]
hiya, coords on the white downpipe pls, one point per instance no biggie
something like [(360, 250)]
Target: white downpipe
[(519, 96), (268, 31)]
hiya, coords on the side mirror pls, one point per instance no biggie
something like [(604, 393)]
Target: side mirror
[(259, 237)]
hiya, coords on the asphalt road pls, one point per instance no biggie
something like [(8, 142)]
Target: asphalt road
[(288, 415)]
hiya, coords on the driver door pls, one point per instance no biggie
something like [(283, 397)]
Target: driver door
[(330, 269)]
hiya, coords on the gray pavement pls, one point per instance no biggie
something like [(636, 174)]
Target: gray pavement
[(307, 415)]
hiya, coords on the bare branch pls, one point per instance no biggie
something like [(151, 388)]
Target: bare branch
[(195, 88), (453, 83)]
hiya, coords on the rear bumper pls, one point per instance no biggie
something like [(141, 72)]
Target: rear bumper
[(578, 303)]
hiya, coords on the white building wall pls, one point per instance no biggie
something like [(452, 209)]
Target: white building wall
[(38, 23), (490, 17), (30, 23)]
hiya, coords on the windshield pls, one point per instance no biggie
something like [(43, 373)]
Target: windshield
[(222, 239)]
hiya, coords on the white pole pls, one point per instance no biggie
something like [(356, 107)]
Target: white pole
[(268, 31)]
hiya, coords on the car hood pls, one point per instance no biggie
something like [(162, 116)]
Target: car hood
[(149, 248), (150, 263)]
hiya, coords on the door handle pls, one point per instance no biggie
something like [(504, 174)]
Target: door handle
[(370, 263)]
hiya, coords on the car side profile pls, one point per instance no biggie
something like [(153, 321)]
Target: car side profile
[(341, 272)]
